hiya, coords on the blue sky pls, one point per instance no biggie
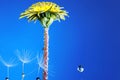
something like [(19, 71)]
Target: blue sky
[(90, 37)]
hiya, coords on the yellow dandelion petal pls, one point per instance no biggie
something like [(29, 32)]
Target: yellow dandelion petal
[(45, 12)]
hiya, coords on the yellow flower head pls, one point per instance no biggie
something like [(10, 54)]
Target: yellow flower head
[(45, 12)]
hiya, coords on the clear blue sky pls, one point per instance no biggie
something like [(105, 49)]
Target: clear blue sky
[(90, 37)]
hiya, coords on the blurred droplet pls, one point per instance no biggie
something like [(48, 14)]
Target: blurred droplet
[(80, 68), (6, 78), (23, 75), (37, 78)]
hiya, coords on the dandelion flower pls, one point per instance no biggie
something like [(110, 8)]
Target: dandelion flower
[(45, 12)]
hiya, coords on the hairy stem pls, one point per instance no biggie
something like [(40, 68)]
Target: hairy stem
[(46, 44)]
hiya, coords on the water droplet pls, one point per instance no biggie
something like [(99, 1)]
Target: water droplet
[(37, 78), (6, 78), (23, 75), (80, 68)]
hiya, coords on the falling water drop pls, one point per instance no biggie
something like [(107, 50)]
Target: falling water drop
[(80, 68)]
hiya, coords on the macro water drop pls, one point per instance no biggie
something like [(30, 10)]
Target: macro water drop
[(80, 68)]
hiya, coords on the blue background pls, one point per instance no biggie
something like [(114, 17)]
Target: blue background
[(90, 37)]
